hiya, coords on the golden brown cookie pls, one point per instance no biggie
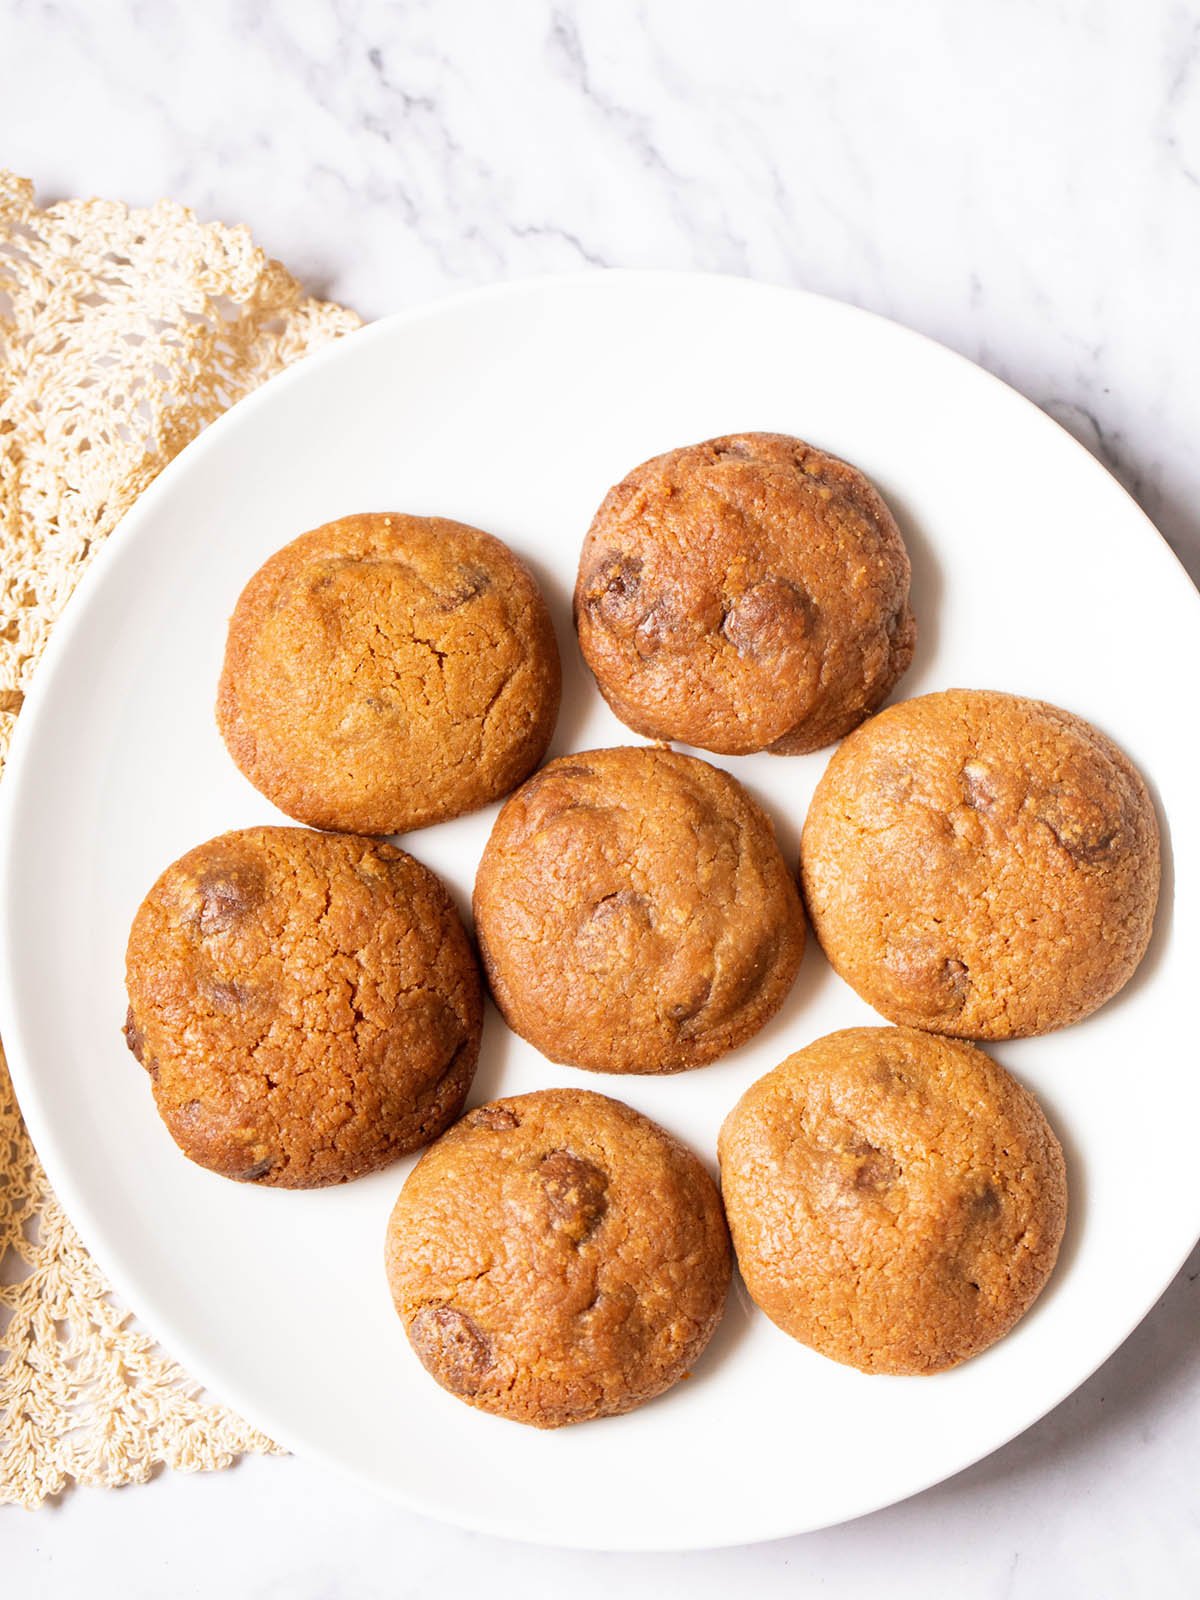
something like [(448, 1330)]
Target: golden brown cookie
[(557, 1256), (634, 912), (307, 1005), (981, 865), (747, 593), (386, 672), (896, 1200)]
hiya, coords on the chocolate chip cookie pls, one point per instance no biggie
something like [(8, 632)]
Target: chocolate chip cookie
[(307, 1005), (556, 1257), (386, 672), (896, 1200), (747, 593), (982, 865), (634, 912)]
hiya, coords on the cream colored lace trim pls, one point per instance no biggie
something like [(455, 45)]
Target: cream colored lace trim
[(122, 333)]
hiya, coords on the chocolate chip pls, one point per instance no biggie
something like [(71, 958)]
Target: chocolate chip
[(548, 774), (883, 1072), (228, 998), (577, 1193), (875, 1170), (1084, 827), (986, 1203), (685, 1011), (930, 982), (894, 785), (257, 1171), (473, 581), (622, 901), (190, 1114), (134, 1037), (955, 981), (376, 867), (978, 786), (452, 1346), (226, 896), (549, 778), (656, 628), (612, 591), (554, 792), (768, 617), (499, 1119), (612, 927)]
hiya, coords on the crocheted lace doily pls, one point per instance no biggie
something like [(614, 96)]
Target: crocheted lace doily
[(122, 333)]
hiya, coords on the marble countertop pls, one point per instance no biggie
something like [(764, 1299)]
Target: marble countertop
[(1020, 182)]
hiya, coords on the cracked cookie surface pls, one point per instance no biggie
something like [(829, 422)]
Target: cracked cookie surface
[(557, 1256), (384, 672), (896, 1200), (747, 593), (634, 912), (979, 864), (307, 1005)]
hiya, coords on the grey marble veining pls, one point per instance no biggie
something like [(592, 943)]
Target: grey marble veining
[(1021, 182)]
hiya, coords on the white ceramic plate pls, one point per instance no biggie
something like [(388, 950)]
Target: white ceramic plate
[(515, 408)]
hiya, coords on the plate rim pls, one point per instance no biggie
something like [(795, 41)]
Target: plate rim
[(40, 1122)]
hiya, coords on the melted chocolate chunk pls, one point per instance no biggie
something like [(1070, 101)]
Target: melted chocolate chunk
[(978, 786), (226, 896), (875, 1170), (932, 983), (1084, 828), (134, 1037), (685, 1011), (577, 1191), (452, 1346), (613, 592), (230, 997), (499, 1119), (473, 581), (767, 618)]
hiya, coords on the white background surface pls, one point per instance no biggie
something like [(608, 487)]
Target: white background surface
[(1022, 182)]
